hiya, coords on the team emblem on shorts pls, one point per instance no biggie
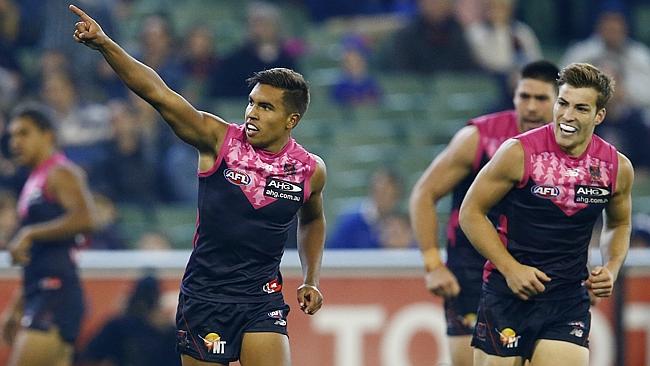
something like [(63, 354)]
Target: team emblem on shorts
[(278, 315), (508, 337), (272, 286), (214, 344), (578, 329), (469, 320)]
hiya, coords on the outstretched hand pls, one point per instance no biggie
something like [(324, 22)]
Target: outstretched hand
[(87, 30), (309, 298)]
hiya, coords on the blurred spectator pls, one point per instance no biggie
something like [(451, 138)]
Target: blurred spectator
[(500, 43), (396, 233), (132, 176), (625, 125), (12, 176), (322, 10), (84, 129), (10, 73), (361, 227), (199, 62), (263, 49), (433, 41), (640, 231), (611, 41), (355, 86), (8, 217), (142, 335), (108, 234), (153, 240)]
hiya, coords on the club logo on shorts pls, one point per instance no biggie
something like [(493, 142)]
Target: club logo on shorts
[(546, 192), (278, 315), (578, 329), (181, 338), (272, 286), (214, 344), (508, 338), (469, 320), (236, 177)]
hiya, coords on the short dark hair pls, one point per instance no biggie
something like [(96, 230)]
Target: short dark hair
[(541, 70), (296, 89), (39, 114), (584, 75)]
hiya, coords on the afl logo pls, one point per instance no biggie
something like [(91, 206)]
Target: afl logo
[(546, 192), (237, 178)]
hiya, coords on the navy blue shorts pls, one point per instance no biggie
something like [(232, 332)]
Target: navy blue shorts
[(62, 307), (508, 326), (460, 311), (213, 332)]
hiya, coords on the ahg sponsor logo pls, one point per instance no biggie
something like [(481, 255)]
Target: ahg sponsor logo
[(592, 194), (278, 188), (237, 177), (546, 192)]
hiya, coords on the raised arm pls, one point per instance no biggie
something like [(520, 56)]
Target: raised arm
[(311, 239), (493, 182), (68, 187), (202, 130), (448, 169), (615, 238)]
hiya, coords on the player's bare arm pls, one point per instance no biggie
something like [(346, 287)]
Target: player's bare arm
[(448, 169), (199, 129), (311, 239), (615, 238), (67, 185), (493, 182)]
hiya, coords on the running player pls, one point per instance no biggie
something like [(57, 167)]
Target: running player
[(459, 282), (254, 180), (54, 206), (552, 184)]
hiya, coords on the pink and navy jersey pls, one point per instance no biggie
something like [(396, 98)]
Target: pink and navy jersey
[(247, 204), (493, 130), (549, 216), (51, 261)]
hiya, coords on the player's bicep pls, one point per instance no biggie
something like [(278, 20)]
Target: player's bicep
[(313, 207), (618, 211), (497, 177), (195, 127), (69, 188)]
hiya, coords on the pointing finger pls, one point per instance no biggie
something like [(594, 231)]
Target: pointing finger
[(79, 12)]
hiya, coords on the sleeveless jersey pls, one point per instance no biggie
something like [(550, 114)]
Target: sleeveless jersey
[(247, 205), (549, 216), (493, 130), (52, 263)]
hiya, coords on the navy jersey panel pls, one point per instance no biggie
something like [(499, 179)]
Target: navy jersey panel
[(493, 130), (247, 208), (549, 216)]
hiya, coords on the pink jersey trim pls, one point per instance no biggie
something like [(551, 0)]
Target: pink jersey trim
[(232, 129), (38, 181)]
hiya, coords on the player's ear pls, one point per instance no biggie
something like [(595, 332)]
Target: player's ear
[(294, 119)]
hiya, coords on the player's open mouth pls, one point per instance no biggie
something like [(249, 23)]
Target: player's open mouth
[(251, 128), (567, 128)]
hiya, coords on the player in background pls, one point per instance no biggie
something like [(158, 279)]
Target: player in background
[(42, 321), (254, 182), (552, 185), (453, 170)]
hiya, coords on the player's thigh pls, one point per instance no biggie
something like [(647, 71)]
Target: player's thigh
[(37, 347), (551, 352), (188, 360), (483, 359), (460, 350), (265, 348)]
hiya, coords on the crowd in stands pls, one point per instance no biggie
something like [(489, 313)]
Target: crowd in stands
[(131, 157)]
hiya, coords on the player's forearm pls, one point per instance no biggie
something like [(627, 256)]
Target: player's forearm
[(138, 77), (615, 244), (310, 249), (424, 221), (66, 226), (484, 237)]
